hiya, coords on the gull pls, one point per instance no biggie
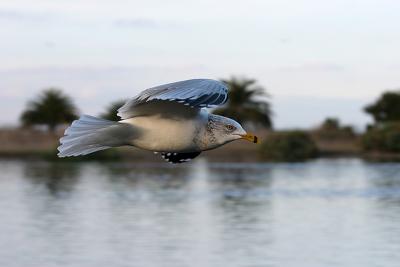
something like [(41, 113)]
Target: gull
[(169, 119)]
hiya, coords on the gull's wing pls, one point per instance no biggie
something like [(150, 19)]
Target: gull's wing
[(196, 93)]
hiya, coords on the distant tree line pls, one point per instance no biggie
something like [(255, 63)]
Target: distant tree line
[(248, 103)]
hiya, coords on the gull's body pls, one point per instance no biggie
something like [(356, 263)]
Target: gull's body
[(177, 135), (170, 119)]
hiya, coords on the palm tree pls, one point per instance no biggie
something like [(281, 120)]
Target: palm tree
[(51, 108), (246, 103), (112, 110)]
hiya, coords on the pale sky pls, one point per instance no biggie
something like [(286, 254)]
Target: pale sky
[(316, 58)]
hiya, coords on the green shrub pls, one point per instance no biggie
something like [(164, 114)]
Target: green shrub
[(385, 138), (288, 146), (332, 129)]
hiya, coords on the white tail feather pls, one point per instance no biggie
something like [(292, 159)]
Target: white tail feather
[(90, 134)]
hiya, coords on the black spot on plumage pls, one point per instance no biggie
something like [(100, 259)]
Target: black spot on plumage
[(179, 157)]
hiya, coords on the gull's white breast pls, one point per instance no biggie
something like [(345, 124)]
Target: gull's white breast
[(163, 134)]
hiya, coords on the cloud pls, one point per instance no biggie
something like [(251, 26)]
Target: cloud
[(314, 67), (49, 44), (136, 23), (285, 40), (147, 23), (14, 15)]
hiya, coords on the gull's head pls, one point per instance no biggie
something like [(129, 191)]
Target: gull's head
[(226, 130)]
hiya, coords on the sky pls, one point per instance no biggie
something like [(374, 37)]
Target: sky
[(315, 58)]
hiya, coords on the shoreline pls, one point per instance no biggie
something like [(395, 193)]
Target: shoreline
[(34, 144), (228, 154)]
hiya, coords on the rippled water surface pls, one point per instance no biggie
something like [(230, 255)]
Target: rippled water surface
[(323, 213)]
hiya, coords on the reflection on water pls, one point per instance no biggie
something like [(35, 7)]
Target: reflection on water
[(321, 213), (57, 178)]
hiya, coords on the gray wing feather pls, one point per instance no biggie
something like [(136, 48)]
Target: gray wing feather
[(196, 93)]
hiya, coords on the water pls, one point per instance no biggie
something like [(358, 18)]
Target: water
[(323, 213)]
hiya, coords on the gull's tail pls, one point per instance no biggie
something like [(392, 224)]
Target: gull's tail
[(90, 134)]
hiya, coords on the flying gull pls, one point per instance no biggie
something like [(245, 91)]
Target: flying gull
[(169, 119)]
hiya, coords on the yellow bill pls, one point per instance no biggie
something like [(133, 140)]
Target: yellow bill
[(250, 137)]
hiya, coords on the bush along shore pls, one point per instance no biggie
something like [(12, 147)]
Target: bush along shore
[(288, 146)]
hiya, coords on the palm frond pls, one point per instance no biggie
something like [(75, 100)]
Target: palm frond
[(248, 102)]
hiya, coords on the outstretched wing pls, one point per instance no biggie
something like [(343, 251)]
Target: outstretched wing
[(196, 93)]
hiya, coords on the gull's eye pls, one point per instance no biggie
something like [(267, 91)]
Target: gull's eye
[(230, 127)]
